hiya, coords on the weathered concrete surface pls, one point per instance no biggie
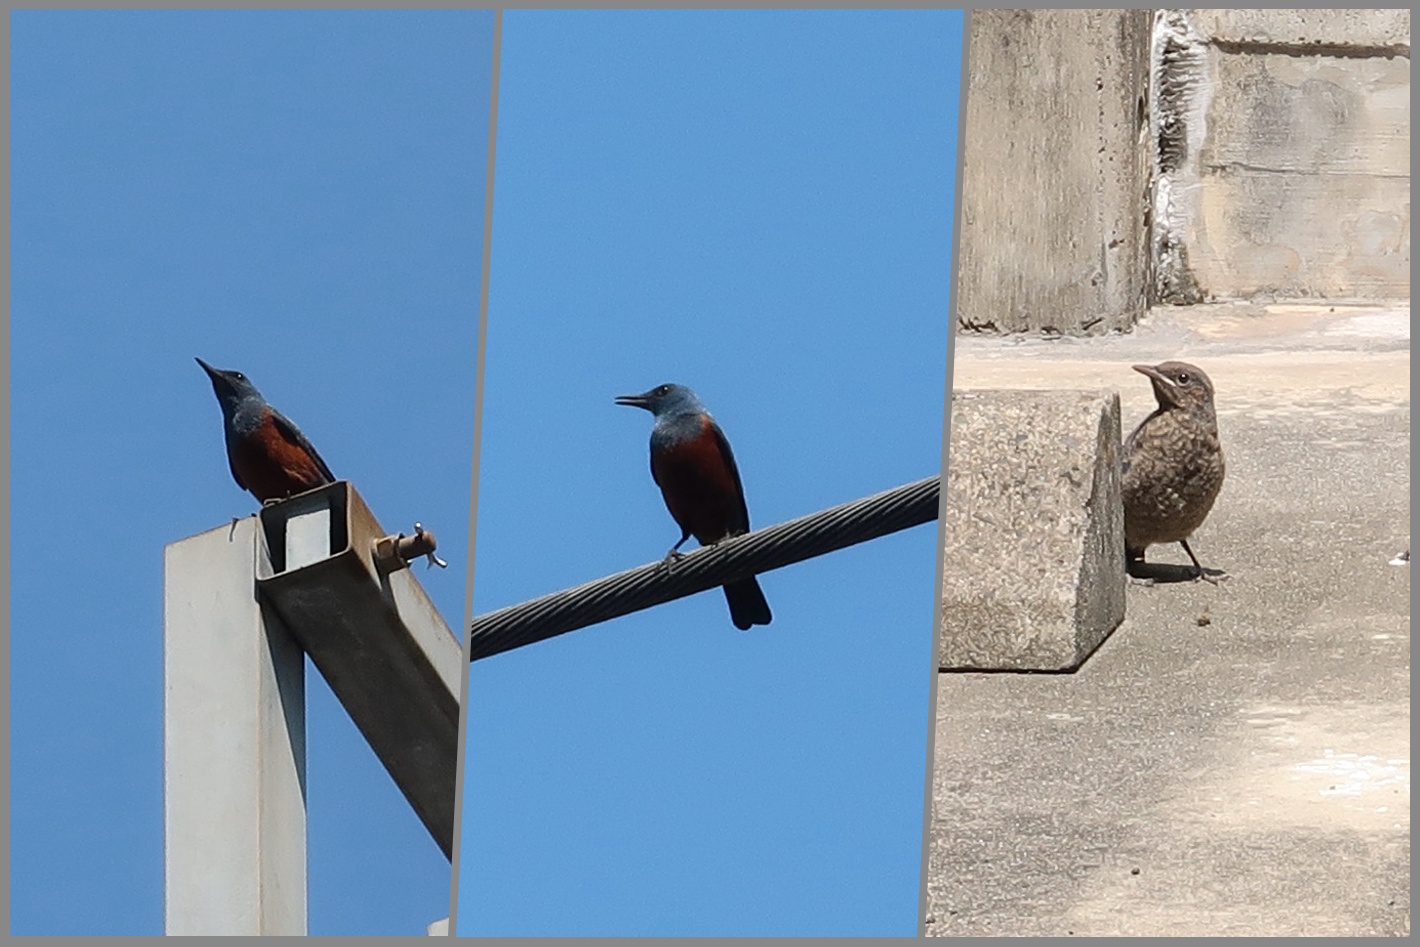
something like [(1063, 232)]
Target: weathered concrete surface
[(1285, 155), (1244, 747), (1054, 234), (1357, 29), (1033, 575)]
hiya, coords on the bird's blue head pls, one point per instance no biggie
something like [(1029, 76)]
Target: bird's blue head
[(232, 388), (665, 401)]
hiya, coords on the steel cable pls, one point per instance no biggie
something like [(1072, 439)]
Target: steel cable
[(706, 568)]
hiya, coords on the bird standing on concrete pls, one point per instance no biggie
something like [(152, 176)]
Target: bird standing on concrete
[(268, 455), (1173, 464), (692, 464)]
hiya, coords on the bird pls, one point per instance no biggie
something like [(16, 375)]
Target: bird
[(1172, 465), (692, 463), (268, 455)]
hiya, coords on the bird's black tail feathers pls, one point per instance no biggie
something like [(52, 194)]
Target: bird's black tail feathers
[(747, 604)]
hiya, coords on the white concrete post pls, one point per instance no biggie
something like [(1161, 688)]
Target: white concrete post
[(234, 750)]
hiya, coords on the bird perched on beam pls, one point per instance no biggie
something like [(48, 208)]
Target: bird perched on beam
[(1173, 465), (268, 455), (692, 464)]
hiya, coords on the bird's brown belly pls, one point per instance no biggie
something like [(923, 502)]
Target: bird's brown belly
[(273, 468), (1168, 494), (699, 491)]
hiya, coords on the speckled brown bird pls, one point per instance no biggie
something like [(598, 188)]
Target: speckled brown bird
[(1173, 464)]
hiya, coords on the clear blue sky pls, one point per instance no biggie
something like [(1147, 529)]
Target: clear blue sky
[(757, 205), (298, 195)]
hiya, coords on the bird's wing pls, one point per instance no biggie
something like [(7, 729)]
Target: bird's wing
[(293, 434), (232, 466), (729, 456)]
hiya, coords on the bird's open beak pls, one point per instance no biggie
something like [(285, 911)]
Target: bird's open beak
[(634, 401)]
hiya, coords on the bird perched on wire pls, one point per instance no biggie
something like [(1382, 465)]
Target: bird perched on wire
[(1173, 465), (692, 464), (268, 455)]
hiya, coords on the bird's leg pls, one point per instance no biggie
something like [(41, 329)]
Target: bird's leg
[(675, 552), (1133, 560), (1200, 573)]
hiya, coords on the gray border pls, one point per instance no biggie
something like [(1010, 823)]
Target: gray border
[(5, 473), (922, 899), (473, 484)]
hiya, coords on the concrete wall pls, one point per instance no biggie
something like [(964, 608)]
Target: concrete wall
[(1284, 154), (1055, 176), (1115, 159)]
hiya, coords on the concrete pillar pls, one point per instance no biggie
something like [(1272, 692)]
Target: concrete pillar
[(1055, 176), (234, 755)]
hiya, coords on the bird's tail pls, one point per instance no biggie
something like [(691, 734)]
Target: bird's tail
[(747, 604)]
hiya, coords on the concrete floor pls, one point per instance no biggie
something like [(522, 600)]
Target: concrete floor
[(1234, 759)]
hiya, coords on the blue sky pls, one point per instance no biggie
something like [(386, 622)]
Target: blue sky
[(757, 205), (298, 195)]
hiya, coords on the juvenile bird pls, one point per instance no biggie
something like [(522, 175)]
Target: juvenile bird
[(1173, 464), (692, 464), (268, 455)]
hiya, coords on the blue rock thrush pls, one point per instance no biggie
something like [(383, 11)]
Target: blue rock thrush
[(268, 455), (692, 464)]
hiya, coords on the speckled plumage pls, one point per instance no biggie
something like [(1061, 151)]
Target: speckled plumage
[(1173, 463)]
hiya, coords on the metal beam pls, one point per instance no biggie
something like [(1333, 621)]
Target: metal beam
[(234, 753), (375, 637)]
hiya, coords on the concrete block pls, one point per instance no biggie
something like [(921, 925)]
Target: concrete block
[(1056, 170), (1033, 571)]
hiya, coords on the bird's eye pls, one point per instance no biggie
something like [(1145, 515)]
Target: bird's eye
[(663, 390), (240, 377), (1183, 378)]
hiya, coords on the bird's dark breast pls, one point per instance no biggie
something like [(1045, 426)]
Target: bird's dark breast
[(270, 465), (699, 489)]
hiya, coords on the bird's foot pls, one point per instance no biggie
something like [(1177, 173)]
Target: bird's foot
[(1215, 576), (1144, 581), (671, 558)]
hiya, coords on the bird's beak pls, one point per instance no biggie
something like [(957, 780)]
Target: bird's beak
[(634, 401), (211, 372), (1164, 387)]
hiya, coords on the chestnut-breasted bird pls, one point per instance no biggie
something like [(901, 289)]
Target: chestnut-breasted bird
[(268, 455), (692, 464)]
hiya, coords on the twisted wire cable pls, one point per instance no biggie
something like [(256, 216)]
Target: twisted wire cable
[(706, 568)]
